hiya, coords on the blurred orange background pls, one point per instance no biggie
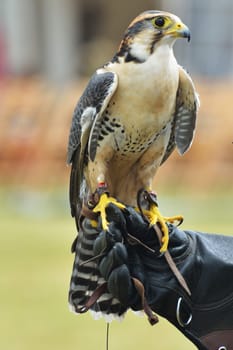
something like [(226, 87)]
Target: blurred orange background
[(49, 49), (34, 126)]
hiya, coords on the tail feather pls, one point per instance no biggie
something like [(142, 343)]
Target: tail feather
[(86, 278)]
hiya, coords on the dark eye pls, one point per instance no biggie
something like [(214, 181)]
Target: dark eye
[(159, 21)]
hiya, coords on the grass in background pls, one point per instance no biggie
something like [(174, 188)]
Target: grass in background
[(36, 233)]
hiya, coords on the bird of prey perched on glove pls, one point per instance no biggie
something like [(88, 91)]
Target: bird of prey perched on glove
[(134, 111)]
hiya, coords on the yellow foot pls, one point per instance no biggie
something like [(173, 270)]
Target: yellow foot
[(104, 201), (154, 216)]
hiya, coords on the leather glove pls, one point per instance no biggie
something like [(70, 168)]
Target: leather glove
[(204, 260)]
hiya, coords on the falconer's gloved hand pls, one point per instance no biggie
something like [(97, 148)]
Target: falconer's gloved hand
[(114, 265), (121, 264), (191, 285)]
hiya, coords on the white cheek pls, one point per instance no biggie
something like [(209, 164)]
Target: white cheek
[(139, 51)]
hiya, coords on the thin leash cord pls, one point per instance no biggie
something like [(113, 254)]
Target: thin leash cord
[(107, 336)]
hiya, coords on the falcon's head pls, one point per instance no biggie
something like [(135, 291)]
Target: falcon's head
[(148, 31)]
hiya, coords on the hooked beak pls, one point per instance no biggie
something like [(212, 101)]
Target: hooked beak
[(180, 30)]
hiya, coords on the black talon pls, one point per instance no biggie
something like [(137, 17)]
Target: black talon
[(144, 200)]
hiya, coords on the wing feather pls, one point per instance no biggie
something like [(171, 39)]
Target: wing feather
[(183, 128), (84, 132), (187, 104), (108, 87)]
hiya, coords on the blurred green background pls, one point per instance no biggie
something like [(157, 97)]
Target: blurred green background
[(48, 49), (35, 262)]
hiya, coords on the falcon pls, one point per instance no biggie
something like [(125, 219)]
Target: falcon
[(134, 112)]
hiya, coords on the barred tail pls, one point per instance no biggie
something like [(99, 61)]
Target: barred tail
[(86, 278)]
